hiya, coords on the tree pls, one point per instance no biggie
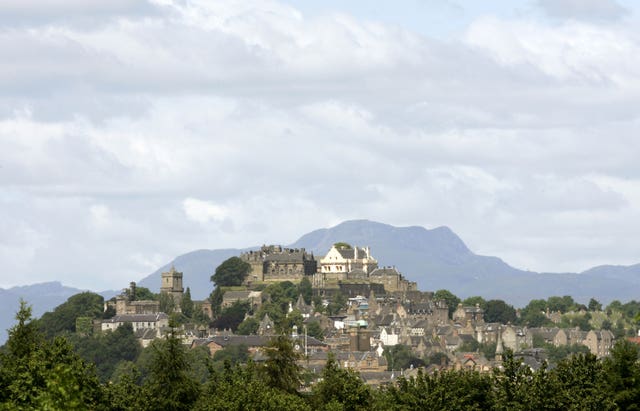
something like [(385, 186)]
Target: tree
[(342, 245), (400, 357), (39, 374), (232, 316), (594, 305), (340, 389), (473, 301), (449, 298), (235, 354), (305, 289), (170, 385), (231, 272), (186, 304), (623, 375), (63, 317), (281, 369), (314, 330), (167, 303), (337, 304), (497, 311), (248, 326)]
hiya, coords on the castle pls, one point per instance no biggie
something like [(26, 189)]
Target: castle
[(342, 267)]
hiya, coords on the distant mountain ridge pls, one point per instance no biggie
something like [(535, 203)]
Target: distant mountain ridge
[(434, 258)]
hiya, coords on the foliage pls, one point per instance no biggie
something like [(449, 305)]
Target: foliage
[(448, 390), (449, 298), (400, 357), (305, 289), (556, 354), (248, 326), (234, 354), (40, 374), (108, 349), (342, 245), (340, 387), (475, 300), (63, 317), (498, 311), (186, 304), (170, 386), (281, 369), (167, 303), (243, 388), (231, 272), (563, 304), (314, 330), (338, 304), (623, 375), (594, 305), (232, 316), (141, 294)]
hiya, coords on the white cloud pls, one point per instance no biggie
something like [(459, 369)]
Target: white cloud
[(204, 211), (593, 10), (232, 124)]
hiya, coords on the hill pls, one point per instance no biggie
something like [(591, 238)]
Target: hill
[(435, 259)]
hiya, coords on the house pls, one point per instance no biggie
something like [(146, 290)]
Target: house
[(138, 321), (599, 342), (342, 260), (554, 336)]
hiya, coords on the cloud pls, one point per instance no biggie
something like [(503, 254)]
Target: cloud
[(592, 10), (203, 211), (232, 124)]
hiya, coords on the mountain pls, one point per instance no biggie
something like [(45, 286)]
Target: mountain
[(435, 259), (42, 297)]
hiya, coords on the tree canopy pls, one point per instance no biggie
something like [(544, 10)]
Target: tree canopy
[(231, 272)]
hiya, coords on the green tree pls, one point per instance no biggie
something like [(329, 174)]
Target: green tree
[(281, 369), (594, 305), (498, 311), (342, 245), (314, 330), (234, 354), (340, 389), (170, 385), (473, 301), (232, 316), (449, 298), (562, 304), (167, 303), (186, 304), (248, 326), (232, 272), (401, 357), (40, 374), (337, 304), (305, 289), (622, 372), (63, 317)]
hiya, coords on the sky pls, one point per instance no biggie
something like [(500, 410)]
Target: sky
[(134, 131)]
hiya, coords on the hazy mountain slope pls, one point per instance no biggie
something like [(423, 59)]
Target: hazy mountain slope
[(42, 297), (197, 266), (436, 259)]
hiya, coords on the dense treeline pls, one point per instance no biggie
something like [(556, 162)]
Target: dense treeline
[(39, 373)]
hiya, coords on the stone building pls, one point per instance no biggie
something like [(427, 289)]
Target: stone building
[(392, 280), (172, 284), (274, 263)]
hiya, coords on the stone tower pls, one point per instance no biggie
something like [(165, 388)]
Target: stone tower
[(172, 285)]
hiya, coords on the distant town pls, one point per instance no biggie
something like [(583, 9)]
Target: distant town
[(371, 318)]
